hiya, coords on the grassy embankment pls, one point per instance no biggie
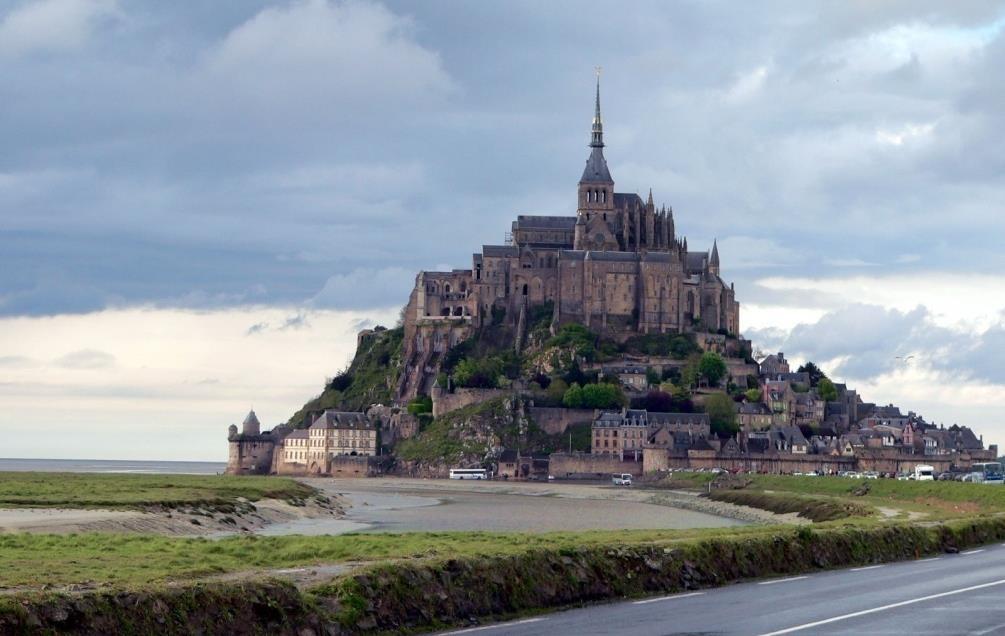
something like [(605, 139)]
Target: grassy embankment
[(475, 574), (858, 500), (118, 491)]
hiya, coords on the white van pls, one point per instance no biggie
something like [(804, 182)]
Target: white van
[(923, 472), (622, 479)]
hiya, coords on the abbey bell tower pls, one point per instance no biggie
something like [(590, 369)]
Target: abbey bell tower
[(596, 187)]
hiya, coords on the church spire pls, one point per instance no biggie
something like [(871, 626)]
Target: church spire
[(597, 140), (713, 260), (596, 171)]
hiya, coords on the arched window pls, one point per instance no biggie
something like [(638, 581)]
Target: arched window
[(525, 289), (603, 196), (446, 288)]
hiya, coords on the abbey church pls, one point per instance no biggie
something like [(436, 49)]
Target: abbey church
[(617, 266)]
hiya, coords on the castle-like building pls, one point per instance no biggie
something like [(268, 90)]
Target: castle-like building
[(617, 266)]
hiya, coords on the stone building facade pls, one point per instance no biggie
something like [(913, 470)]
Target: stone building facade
[(336, 442), (617, 266)]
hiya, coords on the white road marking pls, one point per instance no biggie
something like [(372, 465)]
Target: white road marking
[(791, 578), (972, 551), (883, 608), (484, 627), (666, 598), (866, 567), (928, 560)]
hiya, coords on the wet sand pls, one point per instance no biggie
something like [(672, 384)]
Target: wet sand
[(414, 505)]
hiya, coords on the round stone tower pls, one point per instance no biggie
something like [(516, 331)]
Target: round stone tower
[(251, 425)]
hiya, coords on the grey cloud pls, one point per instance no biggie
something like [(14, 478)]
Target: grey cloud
[(865, 341), (365, 289), (86, 359), (268, 152)]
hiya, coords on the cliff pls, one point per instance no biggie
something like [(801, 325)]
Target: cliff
[(369, 379)]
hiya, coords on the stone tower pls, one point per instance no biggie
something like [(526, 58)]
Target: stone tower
[(251, 426), (596, 187)]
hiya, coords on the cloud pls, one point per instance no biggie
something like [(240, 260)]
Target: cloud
[(17, 362), (86, 359), (864, 342), (52, 25), (366, 288)]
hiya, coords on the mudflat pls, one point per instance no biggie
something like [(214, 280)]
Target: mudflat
[(425, 505)]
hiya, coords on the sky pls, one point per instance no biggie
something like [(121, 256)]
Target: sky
[(201, 203)]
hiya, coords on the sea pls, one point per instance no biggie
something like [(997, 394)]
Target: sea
[(112, 466)]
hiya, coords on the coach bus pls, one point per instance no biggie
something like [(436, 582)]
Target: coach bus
[(987, 473), (469, 473)]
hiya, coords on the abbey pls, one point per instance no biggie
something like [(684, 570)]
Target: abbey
[(617, 266)]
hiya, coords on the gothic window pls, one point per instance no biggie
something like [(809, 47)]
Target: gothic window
[(525, 289), (603, 196)]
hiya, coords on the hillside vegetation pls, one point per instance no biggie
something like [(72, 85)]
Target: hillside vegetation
[(369, 379)]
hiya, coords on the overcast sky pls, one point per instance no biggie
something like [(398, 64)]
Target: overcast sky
[(201, 202)]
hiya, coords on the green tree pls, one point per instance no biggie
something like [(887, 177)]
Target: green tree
[(753, 395), (652, 377), (603, 396), (816, 374), (826, 389), (721, 414), (712, 368), (556, 390), (573, 397)]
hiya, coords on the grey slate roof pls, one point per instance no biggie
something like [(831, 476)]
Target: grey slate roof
[(627, 199), (696, 261), (300, 433), (500, 250), (526, 221), (341, 419), (596, 168), (572, 255), (251, 419)]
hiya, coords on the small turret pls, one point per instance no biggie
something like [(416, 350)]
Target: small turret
[(579, 237), (649, 202), (713, 260), (251, 425)]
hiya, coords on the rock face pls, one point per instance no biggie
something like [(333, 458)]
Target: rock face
[(471, 436)]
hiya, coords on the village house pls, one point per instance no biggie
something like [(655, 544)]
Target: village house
[(753, 416)]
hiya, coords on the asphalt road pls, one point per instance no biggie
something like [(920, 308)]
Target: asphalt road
[(949, 594)]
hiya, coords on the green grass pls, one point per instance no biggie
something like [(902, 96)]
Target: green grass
[(124, 560), (936, 500), (81, 490)]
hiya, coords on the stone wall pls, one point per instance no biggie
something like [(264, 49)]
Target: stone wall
[(554, 421), (338, 466), (585, 465), (660, 459), (444, 402), (250, 456)]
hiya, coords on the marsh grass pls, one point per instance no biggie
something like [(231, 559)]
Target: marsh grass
[(117, 491), (124, 560)]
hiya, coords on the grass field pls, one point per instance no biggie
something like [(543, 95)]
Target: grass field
[(128, 560), (935, 500), (116, 491), (124, 560)]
